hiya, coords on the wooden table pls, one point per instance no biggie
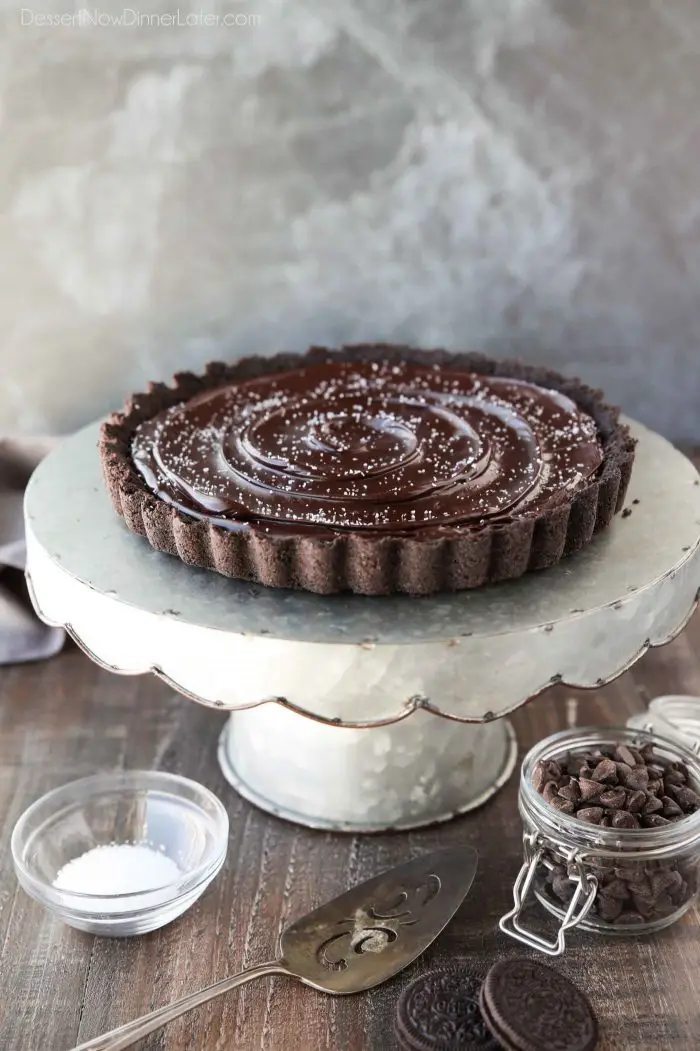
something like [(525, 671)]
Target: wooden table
[(65, 718)]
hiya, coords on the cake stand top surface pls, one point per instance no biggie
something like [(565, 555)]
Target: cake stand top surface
[(70, 518)]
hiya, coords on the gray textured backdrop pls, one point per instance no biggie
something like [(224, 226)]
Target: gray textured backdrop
[(510, 175)]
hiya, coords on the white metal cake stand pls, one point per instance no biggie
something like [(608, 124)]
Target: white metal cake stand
[(364, 713)]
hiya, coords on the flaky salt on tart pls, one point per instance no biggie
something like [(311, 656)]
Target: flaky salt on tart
[(373, 469)]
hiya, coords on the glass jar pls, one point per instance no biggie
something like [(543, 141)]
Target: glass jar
[(607, 880), (676, 716)]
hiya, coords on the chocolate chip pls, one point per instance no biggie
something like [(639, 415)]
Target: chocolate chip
[(623, 755), (653, 805), (623, 771), (539, 777), (637, 779), (644, 906), (655, 771), (616, 888), (614, 798), (656, 787), (605, 772), (663, 906), (576, 766), (665, 880), (623, 819), (564, 805), (638, 757), (591, 814), (570, 791), (678, 882), (671, 807), (673, 777), (654, 821), (550, 791), (630, 873), (641, 885), (604, 870), (636, 801), (554, 770), (563, 888), (630, 919), (609, 909), (687, 799), (589, 789)]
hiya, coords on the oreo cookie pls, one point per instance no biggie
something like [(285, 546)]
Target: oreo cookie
[(528, 1007), (440, 1012)]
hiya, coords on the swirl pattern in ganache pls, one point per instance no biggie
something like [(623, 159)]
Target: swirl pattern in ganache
[(368, 446)]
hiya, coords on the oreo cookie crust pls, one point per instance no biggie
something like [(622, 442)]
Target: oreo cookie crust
[(531, 1007), (440, 1012), (327, 559)]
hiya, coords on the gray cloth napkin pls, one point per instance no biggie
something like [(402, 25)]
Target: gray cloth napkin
[(22, 635)]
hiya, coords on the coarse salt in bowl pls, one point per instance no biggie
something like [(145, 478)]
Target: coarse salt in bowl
[(121, 854)]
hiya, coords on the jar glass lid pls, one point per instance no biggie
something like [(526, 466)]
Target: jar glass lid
[(673, 715)]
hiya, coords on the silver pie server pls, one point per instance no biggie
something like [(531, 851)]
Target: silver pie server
[(351, 944)]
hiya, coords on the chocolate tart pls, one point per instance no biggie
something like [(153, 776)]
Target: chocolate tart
[(374, 469)]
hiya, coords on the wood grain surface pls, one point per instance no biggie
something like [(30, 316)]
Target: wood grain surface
[(65, 718)]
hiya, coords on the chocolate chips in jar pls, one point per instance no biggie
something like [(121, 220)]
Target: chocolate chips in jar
[(623, 788), (611, 834)]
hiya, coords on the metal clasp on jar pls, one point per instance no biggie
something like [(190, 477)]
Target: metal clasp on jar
[(585, 890)]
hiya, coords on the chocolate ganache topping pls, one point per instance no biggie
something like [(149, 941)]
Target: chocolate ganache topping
[(368, 446)]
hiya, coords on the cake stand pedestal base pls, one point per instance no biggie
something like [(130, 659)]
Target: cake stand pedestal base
[(419, 771)]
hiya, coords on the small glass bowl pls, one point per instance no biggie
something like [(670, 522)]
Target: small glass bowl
[(171, 814)]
